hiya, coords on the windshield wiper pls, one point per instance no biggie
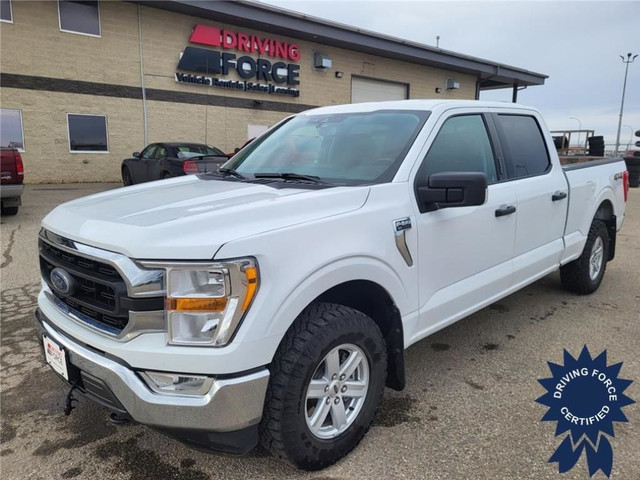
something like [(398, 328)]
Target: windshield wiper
[(289, 176), (232, 172)]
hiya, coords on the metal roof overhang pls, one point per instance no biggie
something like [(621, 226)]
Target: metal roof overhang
[(278, 21)]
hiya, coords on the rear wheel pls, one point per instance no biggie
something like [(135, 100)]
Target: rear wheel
[(126, 177), (327, 378), (9, 211), (585, 274), (166, 175)]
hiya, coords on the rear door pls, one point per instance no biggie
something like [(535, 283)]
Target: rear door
[(464, 253), (542, 194)]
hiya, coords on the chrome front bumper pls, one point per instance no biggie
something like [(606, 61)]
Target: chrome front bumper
[(231, 404)]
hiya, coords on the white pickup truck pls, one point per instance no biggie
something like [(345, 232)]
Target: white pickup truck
[(274, 300)]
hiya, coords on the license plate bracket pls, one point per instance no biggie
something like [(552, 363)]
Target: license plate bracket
[(56, 356)]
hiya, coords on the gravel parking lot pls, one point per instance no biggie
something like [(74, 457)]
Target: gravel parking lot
[(468, 411)]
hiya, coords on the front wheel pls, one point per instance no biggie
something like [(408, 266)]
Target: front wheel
[(126, 177), (585, 274), (327, 378)]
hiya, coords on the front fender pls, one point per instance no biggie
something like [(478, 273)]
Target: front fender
[(333, 274)]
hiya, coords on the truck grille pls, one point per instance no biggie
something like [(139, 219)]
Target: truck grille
[(99, 289)]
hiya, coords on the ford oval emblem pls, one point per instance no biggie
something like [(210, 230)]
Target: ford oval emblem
[(62, 282)]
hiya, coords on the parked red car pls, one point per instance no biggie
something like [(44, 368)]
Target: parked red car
[(11, 179)]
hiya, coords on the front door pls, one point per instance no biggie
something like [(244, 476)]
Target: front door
[(139, 166), (464, 253), (155, 165)]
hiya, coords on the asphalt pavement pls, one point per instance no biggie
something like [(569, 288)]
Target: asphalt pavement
[(468, 411)]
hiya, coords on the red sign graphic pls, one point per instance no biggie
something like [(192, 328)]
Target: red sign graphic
[(205, 35)]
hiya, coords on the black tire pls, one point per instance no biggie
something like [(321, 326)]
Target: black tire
[(576, 275), (317, 331), (634, 175), (9, 211), (127, 179), (166, 175)]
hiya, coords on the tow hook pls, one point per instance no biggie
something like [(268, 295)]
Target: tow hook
[(118, 419), (69, 404)]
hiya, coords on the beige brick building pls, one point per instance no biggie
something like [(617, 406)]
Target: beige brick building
[(85, 85)]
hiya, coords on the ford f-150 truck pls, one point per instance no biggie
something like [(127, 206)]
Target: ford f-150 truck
[(273, 301)]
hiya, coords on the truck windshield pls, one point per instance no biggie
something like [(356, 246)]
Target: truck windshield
[(345, 149)]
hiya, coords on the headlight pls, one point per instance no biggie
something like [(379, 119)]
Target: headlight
[(205, 302)]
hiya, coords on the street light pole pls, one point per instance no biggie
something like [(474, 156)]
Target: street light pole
[(579, 127), (624, 87)]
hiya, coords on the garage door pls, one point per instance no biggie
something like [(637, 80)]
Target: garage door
[(366, 90)]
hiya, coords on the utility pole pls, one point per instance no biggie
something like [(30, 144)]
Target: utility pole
[(624, 87)]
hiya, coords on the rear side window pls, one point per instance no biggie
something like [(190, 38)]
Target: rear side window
[(523, 145), (462, 145), (161, 152)]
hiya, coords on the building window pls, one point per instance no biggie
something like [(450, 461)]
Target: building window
[(79, 17), (11, 132), (6, 14), (87, 133)]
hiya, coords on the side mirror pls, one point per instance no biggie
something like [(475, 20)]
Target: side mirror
[(136, 154), (453, 189)]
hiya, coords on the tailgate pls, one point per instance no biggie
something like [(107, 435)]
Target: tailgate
[(9, 172)]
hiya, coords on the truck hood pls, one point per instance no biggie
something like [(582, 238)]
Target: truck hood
[(189, 218)]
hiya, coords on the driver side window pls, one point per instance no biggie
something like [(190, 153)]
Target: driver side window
[(462, 145), (149, 152)]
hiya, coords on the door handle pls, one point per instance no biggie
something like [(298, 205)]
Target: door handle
[(508, 210), (558, 196)]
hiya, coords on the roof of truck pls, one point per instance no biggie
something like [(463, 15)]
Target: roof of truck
[(425, 105)]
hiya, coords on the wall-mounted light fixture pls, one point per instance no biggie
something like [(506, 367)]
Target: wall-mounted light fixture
[(321, 60), (339, 74), (452, 84), (438, 90)]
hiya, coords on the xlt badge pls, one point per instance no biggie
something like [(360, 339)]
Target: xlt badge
[(401, 225)]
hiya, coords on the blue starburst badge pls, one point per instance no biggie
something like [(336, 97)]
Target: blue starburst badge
[(585, 396)]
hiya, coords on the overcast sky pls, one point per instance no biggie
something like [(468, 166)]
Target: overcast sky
[(577, 44)]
